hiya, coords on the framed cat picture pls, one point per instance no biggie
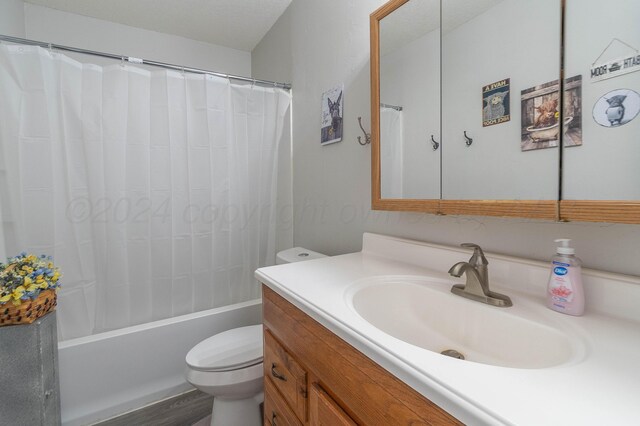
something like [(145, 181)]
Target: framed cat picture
[(496, 104), (331, 128)]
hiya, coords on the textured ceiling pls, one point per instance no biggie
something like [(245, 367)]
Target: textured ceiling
[(419, 17), (239, 24)]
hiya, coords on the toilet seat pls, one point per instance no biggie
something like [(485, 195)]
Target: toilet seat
[(228, 351)]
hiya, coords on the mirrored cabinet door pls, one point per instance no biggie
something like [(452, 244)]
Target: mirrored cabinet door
[(409, 101), (601, 44), (500, 101)]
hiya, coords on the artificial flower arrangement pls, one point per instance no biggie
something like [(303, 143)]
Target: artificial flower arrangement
[(27, 288)]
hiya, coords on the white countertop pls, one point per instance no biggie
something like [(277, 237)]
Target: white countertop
[(599, 385)]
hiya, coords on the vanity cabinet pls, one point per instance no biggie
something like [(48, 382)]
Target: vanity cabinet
[(313, 377)]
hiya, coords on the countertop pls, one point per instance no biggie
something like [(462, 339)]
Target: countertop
[(599, 385)]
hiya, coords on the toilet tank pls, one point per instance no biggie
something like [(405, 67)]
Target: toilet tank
[(297, 254)]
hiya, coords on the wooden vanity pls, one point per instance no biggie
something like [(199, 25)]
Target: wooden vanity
[(312, 377)]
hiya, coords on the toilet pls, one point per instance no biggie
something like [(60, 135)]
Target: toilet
[(229, 365)]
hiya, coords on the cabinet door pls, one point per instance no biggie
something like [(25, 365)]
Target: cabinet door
[(324, 411), (501, 107), (276, 410)]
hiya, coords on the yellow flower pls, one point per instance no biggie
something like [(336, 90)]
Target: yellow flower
[(6, 298), (18, 292), (32, 287)]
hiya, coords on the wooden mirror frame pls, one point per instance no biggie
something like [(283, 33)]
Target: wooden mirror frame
[(611, 211)]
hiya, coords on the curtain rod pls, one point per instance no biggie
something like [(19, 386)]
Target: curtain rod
[(134, 60), (397, 108)]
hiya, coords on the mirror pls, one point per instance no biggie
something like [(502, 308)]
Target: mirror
[(605, 164), (600, 176), (410, 101), (515, 139), (500, 70)]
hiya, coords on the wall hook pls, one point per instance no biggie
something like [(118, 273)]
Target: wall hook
[(435, 144), (367, 136), (469, 140)]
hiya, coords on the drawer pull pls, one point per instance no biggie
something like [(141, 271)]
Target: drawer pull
[(273, 419), (275, 374)]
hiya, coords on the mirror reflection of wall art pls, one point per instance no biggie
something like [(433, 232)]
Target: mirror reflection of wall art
[(496, 103), (616, 108), (540, 116), (332, 102), (616, 67), (573, 109)]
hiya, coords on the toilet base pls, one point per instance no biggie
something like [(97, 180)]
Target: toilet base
[(239, 412)]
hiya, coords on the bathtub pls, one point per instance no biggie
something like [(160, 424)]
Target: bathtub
[(114, 372)]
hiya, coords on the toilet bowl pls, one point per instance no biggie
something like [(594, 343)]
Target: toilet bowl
[(229, 365)]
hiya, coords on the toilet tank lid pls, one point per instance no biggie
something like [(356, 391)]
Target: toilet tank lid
[(298, 254), (230, 350)]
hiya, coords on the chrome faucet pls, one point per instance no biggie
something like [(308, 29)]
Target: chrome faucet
[(477, 286)]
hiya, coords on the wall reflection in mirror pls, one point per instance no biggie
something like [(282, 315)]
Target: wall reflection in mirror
[(410, 101), (500, 70), (602, 42)]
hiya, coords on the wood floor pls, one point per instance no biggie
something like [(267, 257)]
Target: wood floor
[(182, 410)]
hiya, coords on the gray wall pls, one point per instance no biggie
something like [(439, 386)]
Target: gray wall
[(329, 44)]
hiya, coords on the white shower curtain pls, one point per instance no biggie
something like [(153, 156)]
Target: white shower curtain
[(154, 191), (391, 151)]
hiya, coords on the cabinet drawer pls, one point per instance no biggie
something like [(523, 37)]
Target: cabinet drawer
[(286, 375), (324, 411), (276, 411)]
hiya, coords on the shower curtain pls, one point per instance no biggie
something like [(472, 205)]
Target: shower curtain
[(154, 191), (391, 151)]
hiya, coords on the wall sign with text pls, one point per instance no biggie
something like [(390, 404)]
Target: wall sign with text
[(615, 68), (496, 103)]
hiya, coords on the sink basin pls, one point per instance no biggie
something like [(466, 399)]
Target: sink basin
[(424, 313)]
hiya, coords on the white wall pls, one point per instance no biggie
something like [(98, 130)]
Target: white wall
[(329, 45), (277, 67), (50, 25), (12, 18)]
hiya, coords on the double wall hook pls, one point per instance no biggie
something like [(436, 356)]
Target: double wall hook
[(435, 144), (367, 136), (469, 140)]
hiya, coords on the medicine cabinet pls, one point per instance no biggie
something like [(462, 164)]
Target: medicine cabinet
[(468, 117)]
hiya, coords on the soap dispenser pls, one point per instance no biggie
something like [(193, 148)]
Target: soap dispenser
[(565, 292)]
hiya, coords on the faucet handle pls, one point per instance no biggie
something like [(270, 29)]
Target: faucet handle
[(478, 255)]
